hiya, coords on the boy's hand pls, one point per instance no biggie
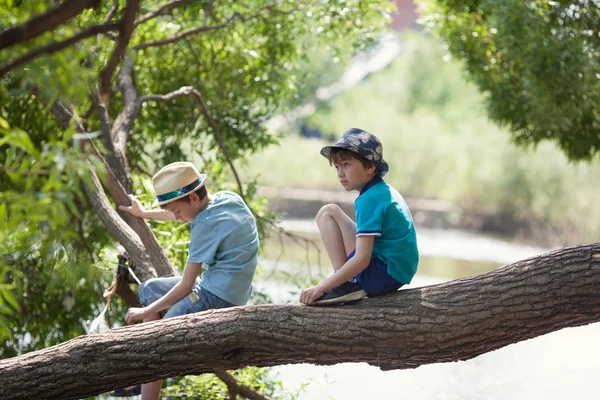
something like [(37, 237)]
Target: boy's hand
[(308, 296), (136, 208), (135, 314)]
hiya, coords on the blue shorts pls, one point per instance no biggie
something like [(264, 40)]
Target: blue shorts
[(155, 288), (375, 279)]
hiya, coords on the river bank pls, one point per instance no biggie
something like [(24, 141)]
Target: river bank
[(303, 204)]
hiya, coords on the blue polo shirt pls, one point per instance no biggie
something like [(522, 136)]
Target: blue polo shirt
[(382, 212), (224, 238)]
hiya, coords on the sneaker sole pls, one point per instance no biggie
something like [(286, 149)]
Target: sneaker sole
[(343, 299)]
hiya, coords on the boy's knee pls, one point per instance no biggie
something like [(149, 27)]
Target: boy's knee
[(328, 211)]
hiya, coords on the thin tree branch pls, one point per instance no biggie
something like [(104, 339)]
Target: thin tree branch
[(112, 12), (192, 31), (35, 172), (186, 33), (236, 388), (189, 90), (45, 22), (56, 46), (125, 33), (104, 119), (161, 10), (196, 93), (183, 91)]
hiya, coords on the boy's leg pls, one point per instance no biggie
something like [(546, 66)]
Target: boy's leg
[(151, 390), (153, 289), (150, 291), (338, 233)]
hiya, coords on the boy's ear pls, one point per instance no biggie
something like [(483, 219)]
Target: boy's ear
[(371, 169)]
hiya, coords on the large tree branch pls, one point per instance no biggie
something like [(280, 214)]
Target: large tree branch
[(131, 106), (55, 46), (453, 321), (45, 22), (121, 232), (139, 242), (143, 242), (125, 32)]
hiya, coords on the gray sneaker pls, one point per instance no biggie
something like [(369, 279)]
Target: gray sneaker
[(344, 293)]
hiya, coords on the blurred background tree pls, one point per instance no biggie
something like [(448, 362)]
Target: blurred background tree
[(536, 62)]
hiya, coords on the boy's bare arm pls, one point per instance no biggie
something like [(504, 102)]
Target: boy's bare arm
[(352, 267), (177, 292), (137, 209)]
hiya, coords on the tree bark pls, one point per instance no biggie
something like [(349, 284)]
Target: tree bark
[(457, 320)]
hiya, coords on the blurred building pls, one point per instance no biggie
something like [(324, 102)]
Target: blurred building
[(405, 16)]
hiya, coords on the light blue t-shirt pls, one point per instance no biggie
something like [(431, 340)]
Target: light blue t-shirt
[(382, 212), (224, 238)]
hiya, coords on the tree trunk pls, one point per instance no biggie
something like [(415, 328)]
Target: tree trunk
[(457, 320)]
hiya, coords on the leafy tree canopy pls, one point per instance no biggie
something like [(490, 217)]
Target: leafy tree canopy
[(536, 61), (160, 81)]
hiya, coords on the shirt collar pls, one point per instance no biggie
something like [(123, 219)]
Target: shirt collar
[(370, 184)]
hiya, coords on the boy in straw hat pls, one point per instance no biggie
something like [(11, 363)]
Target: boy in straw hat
[(377, 254), (223, 243)]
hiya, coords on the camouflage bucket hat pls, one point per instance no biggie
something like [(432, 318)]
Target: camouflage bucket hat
[(363, 143)]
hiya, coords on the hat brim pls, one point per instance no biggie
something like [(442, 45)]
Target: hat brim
[(202, 177)]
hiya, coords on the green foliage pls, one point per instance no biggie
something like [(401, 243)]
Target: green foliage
[(252, 60), (536, 61), (45, 261)]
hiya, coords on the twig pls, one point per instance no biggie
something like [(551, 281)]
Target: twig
[(55, 46)]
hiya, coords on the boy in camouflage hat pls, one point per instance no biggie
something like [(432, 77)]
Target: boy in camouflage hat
[(377, 254)]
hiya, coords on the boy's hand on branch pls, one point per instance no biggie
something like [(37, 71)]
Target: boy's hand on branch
[(308, 296), (135, 314), (136, 208)]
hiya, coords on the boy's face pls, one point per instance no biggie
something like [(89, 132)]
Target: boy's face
[(184, 209), (352, 174)]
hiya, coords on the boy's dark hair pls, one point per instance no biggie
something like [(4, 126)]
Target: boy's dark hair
[(338, 154), (202, 193)]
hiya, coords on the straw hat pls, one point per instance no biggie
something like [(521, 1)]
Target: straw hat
[(175, 181)]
